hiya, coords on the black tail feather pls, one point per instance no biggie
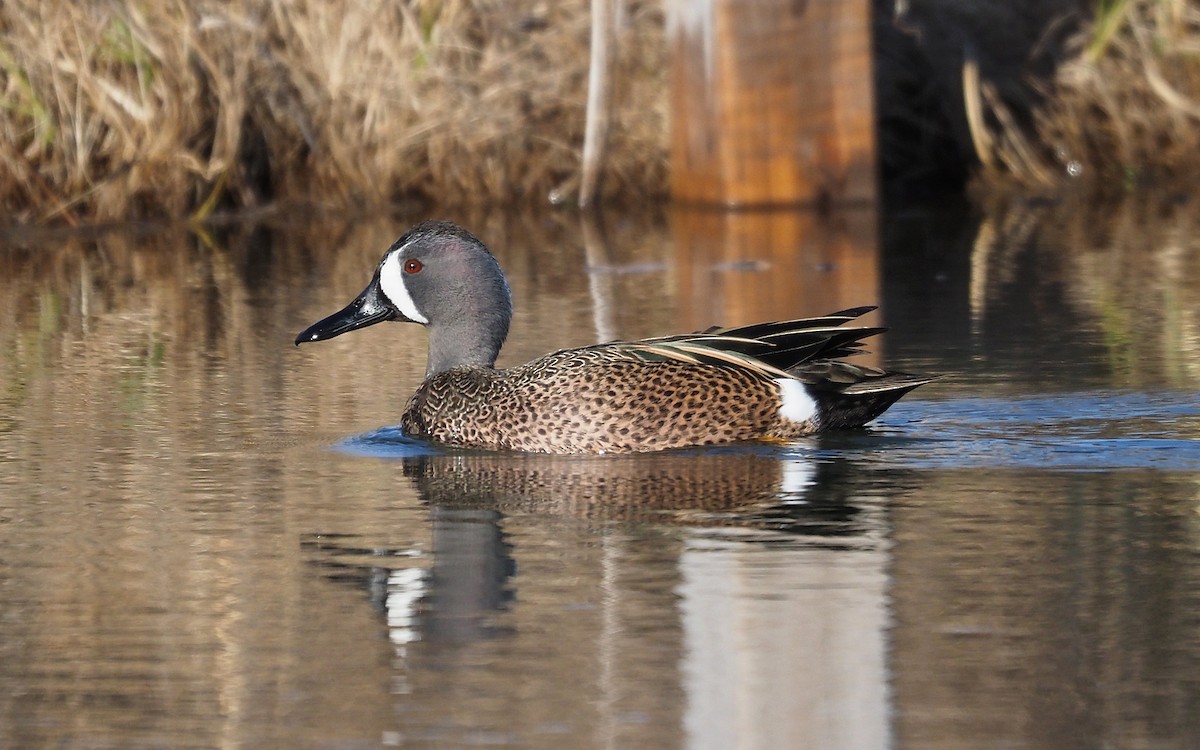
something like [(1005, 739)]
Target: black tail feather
[(850, 396)]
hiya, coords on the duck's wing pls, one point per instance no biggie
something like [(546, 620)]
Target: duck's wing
[(707, 350), (808, 350), (778, 345)]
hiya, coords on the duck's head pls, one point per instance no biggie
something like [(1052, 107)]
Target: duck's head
[(441, 276)]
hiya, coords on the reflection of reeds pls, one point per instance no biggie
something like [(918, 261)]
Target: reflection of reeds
[(1133, 268), (116, 109), (172, 306), (1141, 276)]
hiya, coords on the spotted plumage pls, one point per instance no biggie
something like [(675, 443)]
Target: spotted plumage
[(769, 381)]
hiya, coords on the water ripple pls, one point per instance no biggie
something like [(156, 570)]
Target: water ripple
[(1087, 431)]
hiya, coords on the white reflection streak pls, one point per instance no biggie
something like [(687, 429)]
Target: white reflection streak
[(607, 647), (784, 647), (405, 587), (600, 288), (798, 476)]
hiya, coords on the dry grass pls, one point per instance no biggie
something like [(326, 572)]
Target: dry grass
[(1123, 110), (119, 109)]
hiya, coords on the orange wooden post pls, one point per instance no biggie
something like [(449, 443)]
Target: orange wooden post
[(772, 102)]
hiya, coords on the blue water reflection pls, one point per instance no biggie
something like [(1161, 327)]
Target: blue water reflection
[(386, 442), (1095, 431)]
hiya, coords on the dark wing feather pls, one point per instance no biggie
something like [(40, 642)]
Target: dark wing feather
[(759, 330), (794, 347), (782, 349), (774, 349)]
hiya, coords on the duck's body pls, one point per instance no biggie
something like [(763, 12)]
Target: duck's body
[(771, 381), (625, 397)]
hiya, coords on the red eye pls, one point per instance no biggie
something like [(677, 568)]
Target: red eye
[(412, 265)]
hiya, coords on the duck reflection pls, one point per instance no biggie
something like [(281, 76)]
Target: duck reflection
[(678, 486), (470, 495), (667, 573), (472, 565)]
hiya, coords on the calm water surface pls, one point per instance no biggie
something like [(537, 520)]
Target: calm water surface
[(210, 538)]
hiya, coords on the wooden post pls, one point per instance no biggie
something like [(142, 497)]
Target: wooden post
[(771, 102)]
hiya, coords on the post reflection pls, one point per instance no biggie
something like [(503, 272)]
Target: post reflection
[(740, 267), (821, 680)]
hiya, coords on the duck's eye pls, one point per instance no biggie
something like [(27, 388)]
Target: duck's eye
[(412, 265)]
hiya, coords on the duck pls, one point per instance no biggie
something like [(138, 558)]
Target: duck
[(762, 383)]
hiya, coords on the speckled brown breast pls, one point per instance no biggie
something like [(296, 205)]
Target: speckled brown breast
[(578, 402)]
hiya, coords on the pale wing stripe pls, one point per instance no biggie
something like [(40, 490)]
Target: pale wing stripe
[(669, 353), (733, 358)]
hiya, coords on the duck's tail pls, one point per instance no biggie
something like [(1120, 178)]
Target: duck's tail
[(852, 395)]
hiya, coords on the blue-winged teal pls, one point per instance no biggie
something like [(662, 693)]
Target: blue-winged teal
[(769, 381)]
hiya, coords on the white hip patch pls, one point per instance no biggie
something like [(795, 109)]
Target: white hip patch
[(795, 405), (391, 281)]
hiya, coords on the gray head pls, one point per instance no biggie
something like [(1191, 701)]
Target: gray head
[(441, 276)]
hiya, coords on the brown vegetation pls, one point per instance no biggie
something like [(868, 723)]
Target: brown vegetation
[(117, 110), (1123, 108), (122, 109)]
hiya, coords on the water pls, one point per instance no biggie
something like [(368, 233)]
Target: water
[(210, 538)]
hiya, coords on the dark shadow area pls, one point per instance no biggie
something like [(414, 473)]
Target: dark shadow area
[(920, 46)]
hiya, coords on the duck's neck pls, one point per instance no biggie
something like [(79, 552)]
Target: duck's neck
[(469, 340), (473, 316)]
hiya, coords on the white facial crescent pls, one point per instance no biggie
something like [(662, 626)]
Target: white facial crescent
[(391, 281)]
